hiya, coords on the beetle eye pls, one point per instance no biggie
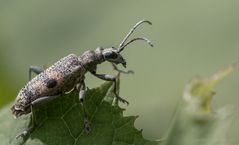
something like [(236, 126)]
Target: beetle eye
[(111, 55)]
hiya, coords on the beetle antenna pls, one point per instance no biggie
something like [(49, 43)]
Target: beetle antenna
[(132, 40), (122, 44)]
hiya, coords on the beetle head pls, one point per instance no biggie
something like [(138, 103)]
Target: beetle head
[(112, 55)]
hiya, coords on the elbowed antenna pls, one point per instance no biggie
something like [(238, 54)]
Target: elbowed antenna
[(123, 45)]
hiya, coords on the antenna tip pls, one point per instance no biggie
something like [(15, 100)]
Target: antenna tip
[(148, 41), (145, 21), (151, 44)]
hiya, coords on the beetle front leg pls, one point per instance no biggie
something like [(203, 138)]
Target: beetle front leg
[(36, 70), (34, 104), (122, 71), (108, 77), (81, 98)]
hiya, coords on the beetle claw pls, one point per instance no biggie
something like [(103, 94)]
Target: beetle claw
[(22, 134), (121, 99), (87, 127)]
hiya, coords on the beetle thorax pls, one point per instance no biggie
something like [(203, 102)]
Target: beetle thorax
[(90, 59)]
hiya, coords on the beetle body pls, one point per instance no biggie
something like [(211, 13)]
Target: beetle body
[(59, 78), (69, 73)]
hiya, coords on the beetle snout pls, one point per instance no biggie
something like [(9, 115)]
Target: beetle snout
[(120, 60), (124, 64)]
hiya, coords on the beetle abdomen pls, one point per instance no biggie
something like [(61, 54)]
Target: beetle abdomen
[(58, 78)]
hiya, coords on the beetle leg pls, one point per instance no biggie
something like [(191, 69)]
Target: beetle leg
[(29, 129), (108, 77), (82, 92), (34, 104), (122, 71), (36, 70), (81, 98), (43, 100)]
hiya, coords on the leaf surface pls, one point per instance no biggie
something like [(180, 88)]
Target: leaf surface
[(60, 122), (195, 122)]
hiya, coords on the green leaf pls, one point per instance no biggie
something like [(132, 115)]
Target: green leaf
[(195, 123), (60, 122), (199, 92)]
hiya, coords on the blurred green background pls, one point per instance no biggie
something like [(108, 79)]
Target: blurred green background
[(191, 38)]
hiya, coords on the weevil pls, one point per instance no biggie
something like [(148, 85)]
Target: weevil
[(69, 73)]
